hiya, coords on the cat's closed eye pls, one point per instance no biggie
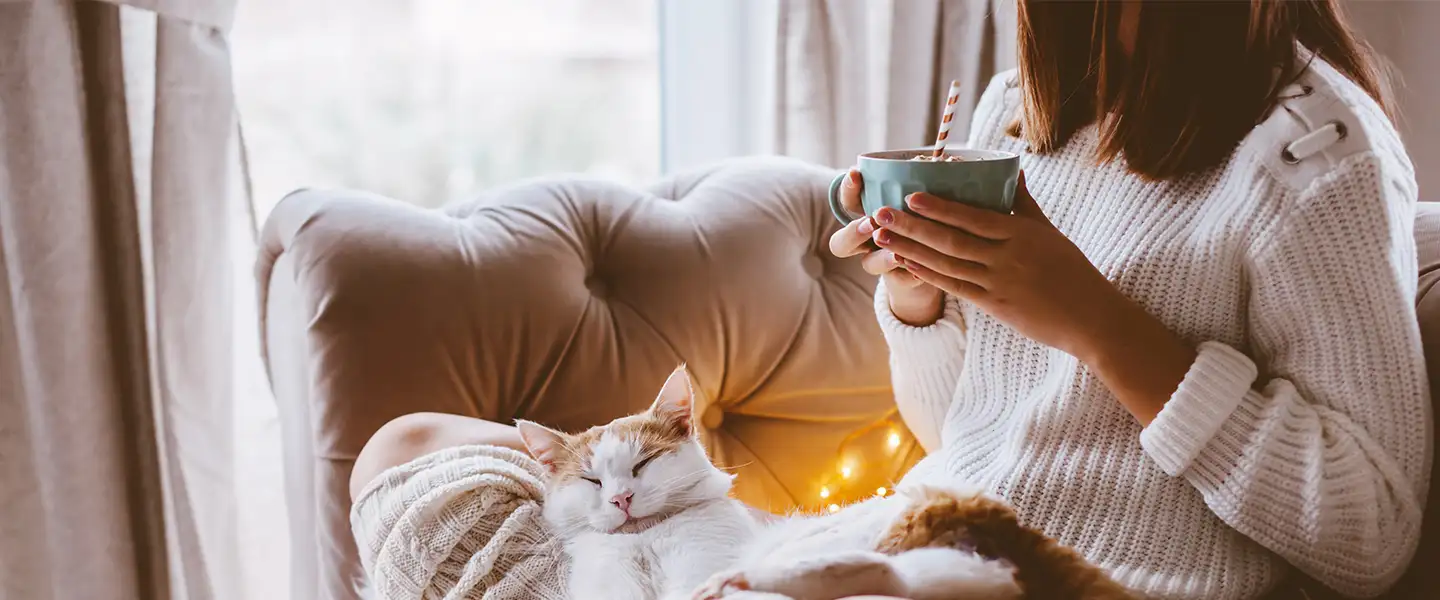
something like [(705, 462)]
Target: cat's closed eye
[(592, 480), (640, 465)]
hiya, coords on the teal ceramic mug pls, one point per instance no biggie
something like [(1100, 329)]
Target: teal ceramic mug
[(984, 178)]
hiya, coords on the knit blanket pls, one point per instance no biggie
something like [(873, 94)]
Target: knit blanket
[(462, 523)]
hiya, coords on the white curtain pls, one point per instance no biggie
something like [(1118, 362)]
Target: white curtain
[(121, 194), (1404, 32), (861, 75)]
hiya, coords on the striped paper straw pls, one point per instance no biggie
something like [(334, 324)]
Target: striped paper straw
[(947, 118)]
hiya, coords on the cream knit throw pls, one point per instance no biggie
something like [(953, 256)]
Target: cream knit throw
[(462, 523)]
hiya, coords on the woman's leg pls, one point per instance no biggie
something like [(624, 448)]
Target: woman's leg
[(414, 435), (432, 491)]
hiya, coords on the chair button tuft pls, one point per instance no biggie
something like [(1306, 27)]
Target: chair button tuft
[(713, 417)]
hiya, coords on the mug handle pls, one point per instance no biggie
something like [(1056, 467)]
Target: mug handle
[(836, 208)]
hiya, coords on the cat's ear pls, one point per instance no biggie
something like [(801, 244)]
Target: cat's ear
[(676, 403), (544, 443)]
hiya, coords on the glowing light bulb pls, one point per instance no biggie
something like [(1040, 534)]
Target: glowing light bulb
[(834, 508), (824, 492), (893, 441), (880, 491), (846, 471)]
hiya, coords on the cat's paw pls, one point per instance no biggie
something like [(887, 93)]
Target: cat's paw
[(721, 584)]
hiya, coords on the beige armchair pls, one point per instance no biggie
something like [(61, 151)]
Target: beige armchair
[(567, 301)]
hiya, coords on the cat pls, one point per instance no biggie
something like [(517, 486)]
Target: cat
[(643, 514)]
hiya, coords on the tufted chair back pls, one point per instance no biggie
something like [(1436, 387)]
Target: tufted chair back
[(568, 301)]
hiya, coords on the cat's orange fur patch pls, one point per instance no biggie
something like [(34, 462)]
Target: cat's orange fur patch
[(938, 517), (650, 430)]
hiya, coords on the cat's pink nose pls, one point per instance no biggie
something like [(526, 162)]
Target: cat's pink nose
[(622, 501)]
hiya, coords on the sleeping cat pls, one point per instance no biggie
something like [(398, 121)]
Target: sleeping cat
[(644, 515), (642, 512)]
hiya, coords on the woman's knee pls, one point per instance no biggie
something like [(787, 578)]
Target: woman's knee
[(397, 442), (411, 436)]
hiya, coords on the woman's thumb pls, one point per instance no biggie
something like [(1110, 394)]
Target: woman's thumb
[(1025, 204)]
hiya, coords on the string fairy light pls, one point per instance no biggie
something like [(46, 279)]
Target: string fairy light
[(849, 464)]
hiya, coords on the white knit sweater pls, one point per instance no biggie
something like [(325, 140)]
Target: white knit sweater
[(1299, 435)]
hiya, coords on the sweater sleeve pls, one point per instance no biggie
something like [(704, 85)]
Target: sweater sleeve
[(925, 364), (1314, 444)]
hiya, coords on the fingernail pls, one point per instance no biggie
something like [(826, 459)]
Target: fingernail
[(867, 227), (883, 237), (914, 201), (884, 217)]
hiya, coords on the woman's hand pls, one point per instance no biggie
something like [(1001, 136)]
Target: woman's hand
[(1020, 269), (912, 301)]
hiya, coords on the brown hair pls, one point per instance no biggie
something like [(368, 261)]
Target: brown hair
[(1201, 75)]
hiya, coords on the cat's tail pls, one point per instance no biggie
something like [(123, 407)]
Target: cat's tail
[(945, 573), (970, 521)]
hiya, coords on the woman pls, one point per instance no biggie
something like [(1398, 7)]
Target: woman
[(1191, 352), (1196, 359)]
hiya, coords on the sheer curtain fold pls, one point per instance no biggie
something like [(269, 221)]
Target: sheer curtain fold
[(215, 14), (857, 76), (116, 215)]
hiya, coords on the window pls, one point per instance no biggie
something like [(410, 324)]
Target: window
[(425, 101), (428, 101), (718, 79)]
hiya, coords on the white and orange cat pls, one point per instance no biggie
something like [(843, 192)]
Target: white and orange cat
[(642, 511), (644, 515)]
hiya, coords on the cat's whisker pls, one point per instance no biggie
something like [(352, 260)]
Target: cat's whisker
[(680, 477), (676, 483)]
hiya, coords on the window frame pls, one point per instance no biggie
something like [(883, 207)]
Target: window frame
[(709, 46)]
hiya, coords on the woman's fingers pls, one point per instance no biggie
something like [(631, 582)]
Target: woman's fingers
[(901, 279), (879, 262), (912, 251), (943, 238), (978, 221), (853, 239), (850, 192), (885, 263), (959, 288)]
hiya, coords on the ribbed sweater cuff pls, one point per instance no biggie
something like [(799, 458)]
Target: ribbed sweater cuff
[(941, 343), (1212, 389)]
